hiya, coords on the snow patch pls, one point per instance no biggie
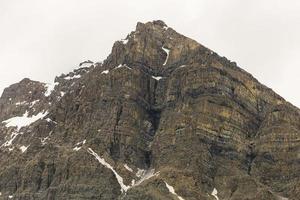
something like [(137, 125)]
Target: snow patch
[(76, 148), (214, 193), (119, 66), (10, 196), (21, 103), (11, 148), (73, 77), (168, 53), (50, 120), (122, 65), (43, 140), (24, 120), (49, 88), (157, 77), (86, 65), (182, 66), (20, 122), (140, 172), (128, 168), (172, 190), (124, 41), (82, 142), (34, 102), (145, 175), (12, 138), (105, 72), (24, 148)]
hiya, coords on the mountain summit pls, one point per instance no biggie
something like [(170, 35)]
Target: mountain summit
[(162, 118)]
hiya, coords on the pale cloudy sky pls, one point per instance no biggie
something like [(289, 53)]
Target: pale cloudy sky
[(43, 38)]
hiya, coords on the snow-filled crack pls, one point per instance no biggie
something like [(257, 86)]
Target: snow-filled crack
[(215, 193), (172, 190), (168, 53), (143, 175)]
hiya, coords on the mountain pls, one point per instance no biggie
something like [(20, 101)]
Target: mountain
[(162, 118)]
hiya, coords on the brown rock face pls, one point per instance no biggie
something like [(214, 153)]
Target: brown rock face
[(163, 117)]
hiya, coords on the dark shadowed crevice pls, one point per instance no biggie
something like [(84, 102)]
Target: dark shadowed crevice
[(154, 116), (148, 158), (150, 123), (250, 158), (115, 143), (154, 119), (118, 117)]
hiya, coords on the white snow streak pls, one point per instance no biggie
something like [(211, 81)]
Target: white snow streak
[(214, 193), (157, 77), (62, 94), (128, 168), (80, 143), (50, 87), (122, 65), (168, 52), (105, 72), (34, 102), (145, 175), (87, 64), (76, 148), (24, 148), (12, 138), (24, 120), (124, 187), (20, 122), (124, 41), (21, 103), (142, 174), (172, 190), (43, 140), (73, 77)]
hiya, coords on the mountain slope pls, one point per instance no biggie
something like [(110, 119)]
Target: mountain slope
[(163, 117)]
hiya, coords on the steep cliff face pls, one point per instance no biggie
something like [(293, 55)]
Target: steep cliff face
[(163, 117)]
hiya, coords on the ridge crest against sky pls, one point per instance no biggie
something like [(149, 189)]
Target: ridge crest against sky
[(44, 38)]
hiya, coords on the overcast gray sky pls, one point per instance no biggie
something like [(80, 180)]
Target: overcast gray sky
[(43, 38)]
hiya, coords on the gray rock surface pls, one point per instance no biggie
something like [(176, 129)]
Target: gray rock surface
[(163, 117)]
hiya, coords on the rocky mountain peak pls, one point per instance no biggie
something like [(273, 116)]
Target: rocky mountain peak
[(162, 118), (25, 90), (152, 45)]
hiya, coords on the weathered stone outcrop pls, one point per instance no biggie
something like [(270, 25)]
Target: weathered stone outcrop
[(163, 117)]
